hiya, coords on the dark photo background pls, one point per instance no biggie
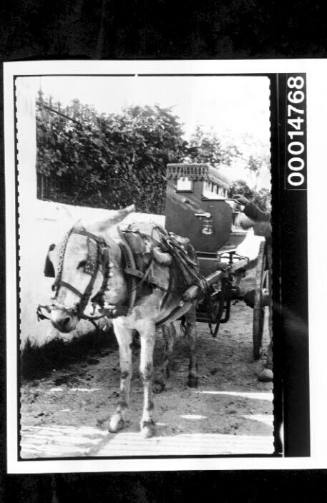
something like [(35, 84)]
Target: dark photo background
[(106, 29)]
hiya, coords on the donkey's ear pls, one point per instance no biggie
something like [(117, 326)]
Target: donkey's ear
[(49, 271), (116, 218)]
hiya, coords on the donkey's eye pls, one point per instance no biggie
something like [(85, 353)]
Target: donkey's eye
[(81, 264)]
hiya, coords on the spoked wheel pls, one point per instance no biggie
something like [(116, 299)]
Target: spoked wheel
[(216, 310), (261, 294)]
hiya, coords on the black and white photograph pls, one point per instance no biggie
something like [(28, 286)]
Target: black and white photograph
[(147, 278)]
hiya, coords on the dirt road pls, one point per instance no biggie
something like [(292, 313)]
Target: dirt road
[(66, 413)]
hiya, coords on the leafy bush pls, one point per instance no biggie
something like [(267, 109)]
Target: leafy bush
[(113, 160), (108, 161), (205, 146)]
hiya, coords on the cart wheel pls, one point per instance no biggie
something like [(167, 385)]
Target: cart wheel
[(216, 309), (261, 290)]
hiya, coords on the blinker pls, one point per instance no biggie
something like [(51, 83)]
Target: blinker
[(49, 271)]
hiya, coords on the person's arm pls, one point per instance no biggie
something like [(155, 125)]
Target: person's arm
[(251, 210)]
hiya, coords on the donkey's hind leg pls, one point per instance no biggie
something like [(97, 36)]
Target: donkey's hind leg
[(124, 338), (191, 334), (162, 371)]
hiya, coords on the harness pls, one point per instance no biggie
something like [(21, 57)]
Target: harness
[(98, 258)]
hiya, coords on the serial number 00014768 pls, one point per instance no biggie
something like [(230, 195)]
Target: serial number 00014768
[(295, 132)]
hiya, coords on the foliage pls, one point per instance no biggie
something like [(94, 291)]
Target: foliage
[(206, 146), (254, 165), (108, 160), (113, 160)]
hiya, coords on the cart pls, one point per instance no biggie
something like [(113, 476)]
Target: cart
[(197, 207)]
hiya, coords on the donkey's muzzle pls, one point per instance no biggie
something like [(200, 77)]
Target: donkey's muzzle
[(63, 320)]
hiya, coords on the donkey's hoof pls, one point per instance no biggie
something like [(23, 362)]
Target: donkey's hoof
[(148, 429), (158, 386), (192, 381), (116, 423)]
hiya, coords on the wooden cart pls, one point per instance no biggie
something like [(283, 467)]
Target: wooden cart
[(197, 207)]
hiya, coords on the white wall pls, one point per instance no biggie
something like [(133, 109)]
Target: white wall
[(44, 224)]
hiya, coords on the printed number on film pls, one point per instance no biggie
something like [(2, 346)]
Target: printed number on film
[(295, 131)]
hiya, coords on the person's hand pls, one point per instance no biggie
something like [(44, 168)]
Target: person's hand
[(241, 199)]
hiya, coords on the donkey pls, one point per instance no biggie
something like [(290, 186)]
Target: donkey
[(133, 279)]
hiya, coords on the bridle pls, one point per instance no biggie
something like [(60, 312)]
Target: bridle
[(98, 258)]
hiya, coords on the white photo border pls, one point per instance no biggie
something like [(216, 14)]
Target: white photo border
[(316, 71)]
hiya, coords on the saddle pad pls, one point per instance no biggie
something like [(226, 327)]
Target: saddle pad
[(159, 275), (141, 238), (183, 272)]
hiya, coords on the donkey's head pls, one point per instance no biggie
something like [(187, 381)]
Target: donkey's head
[(87, 268)]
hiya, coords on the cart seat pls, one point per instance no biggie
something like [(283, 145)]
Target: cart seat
[(245, 245)]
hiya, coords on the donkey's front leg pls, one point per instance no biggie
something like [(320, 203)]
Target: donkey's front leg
[(191, 333), (124, 338), (147, 336)]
